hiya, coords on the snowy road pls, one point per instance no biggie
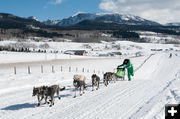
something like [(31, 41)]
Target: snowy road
[(154, 84)]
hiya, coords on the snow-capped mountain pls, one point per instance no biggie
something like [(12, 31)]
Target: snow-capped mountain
[(51, 22), (104, 17), (71, 20), (33, 18), (173, 24)]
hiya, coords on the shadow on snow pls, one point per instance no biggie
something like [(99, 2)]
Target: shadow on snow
[(19, 106)]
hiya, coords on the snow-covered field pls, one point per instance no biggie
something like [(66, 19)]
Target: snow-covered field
[(155, 84), (127, 49), (153, 37)]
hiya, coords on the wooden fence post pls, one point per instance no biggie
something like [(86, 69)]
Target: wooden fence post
[(15, 70), (41, 68), (61, 69), (83, 70), (52, 68), (29, 71), (94, 71), (69, 69), (76, 69)]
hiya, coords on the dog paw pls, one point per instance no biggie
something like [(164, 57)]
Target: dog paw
[(74, 97), (50, 105), (38, 104)]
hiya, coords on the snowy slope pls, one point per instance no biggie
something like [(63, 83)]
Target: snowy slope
[(155, 84), (173, 24)]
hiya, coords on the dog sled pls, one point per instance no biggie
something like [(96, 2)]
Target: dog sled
[(121, 73)]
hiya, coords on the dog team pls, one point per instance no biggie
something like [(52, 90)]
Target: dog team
[(79, 82)]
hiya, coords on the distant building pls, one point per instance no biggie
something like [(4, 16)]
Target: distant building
[(156, 49), (76, 52), (80, 52)]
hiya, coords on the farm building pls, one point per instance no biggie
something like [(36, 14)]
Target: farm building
[(80, 52), (75, 52)]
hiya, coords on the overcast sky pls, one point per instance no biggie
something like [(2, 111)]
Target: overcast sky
[(162, 11)]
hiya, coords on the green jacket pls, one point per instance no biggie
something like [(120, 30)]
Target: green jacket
[(129, 67)]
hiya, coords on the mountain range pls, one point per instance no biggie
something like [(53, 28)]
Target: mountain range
[(11, 25), (102, 17), (127, 19)]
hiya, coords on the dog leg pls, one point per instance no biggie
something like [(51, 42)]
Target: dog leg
[(83, 89), (51, 102), (38, 100), (106, 83), (75, 93), (41, 98), (59, 97), (45, 100), (92, 87), (80, 90), (97, 86)]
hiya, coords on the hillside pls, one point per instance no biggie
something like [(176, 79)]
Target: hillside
[(16, 27)]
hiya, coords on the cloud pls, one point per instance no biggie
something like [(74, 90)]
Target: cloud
[(108, 5), (162, 11), (56, 2)]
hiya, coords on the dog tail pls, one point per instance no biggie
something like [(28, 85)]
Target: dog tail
[(61, 89)]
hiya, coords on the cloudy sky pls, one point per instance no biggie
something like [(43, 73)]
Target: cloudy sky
[(162, 11)]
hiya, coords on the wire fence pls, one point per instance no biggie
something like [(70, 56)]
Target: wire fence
[(56, 68), (143, 63)]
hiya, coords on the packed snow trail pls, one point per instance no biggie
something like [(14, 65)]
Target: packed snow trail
[(120, 100), (166, 74)]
